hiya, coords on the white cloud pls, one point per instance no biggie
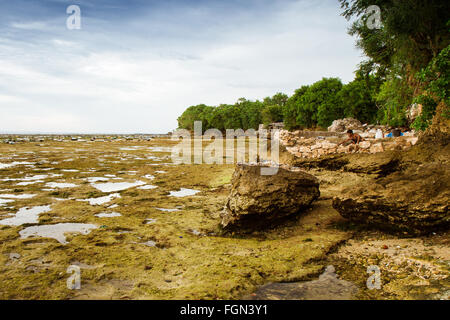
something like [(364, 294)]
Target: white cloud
[(119, 81), (34, 25)]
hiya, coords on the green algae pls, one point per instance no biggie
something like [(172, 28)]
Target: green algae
[(183, 264)]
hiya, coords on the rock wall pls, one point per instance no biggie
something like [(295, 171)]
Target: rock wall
[(313, 147)]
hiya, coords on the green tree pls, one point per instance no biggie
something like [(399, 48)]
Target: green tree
[(290, 110), (395, 96), (279, 99), (436, 80), (250, 113), (194, 113), (412, 33), (272, 110), (357, 100), (319, 106), (272, 113)]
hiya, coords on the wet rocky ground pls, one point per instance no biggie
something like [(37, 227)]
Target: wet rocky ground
[(140, 227)]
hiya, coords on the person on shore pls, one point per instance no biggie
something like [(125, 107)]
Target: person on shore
[(353, 138)]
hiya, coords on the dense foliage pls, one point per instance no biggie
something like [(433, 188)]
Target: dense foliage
[(411, 35), (436, 77), (311, 106)]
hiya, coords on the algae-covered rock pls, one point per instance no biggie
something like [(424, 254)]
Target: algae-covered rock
[(259, 200)]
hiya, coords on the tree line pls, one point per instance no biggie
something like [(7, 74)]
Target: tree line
[(407, 62)]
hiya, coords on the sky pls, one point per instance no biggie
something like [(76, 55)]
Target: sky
[(134, 66)]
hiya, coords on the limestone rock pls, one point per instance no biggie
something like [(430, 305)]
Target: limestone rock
[(258, 201), (378, 147), (342, 125), (364, 144)]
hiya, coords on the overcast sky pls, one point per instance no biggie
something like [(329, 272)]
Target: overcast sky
[(135, 65)]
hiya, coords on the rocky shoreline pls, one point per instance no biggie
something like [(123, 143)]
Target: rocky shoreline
[(394, 202), (181, 253)]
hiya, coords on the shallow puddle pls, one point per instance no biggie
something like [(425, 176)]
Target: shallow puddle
[(160, 149), (183, 193), (27, 183), (101, 200), (148, 187), (25, 215), (167, 210), (96, 179), (60, 185), (35, 178), (116, 186), (5, 201), (13, 164), (327, 287), (108, 214), (17, 196), (150, 243)]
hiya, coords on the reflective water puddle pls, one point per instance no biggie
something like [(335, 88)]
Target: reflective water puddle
[(327, 287), (60, 185), (15, 163), (36, 177), (25, 215), (5, 201), (96, 179), (150, 243), (132, 148), (148, 187), (183, 193), (160, 149), (101, 200), (168, 210), (57, 231), (17, 196), (27, 183), (116, 186), (108, 214)]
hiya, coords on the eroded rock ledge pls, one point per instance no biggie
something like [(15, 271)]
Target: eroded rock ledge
[(405, 191)]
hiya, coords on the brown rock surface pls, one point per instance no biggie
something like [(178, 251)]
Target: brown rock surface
[(410, 194), (259, 200)]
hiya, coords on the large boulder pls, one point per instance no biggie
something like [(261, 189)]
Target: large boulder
[(342, 125), (411, 196), (257, 201)]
